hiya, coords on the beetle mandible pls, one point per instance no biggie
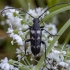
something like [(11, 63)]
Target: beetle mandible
[(36, 32)]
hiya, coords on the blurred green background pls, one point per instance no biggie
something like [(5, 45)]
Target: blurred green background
[(6, 49)]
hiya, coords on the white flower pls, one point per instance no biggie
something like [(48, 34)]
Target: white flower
[(12, 20), (4, 60), (36, 13), (12, 10), (51, 28), (5, 65), (57, 58), (68, 61), (20, 52), (25, 26), (9, 12), (19, 57), (63, 64), (55, 51), (12, 42), (10, 30), (15, 37), (15, 24), (56, 55), (16, 68), (18, 39), (50, 39), (63, 52)]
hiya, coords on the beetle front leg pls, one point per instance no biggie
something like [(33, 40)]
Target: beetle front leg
[(45, 47), (28, 28), (25, 43)]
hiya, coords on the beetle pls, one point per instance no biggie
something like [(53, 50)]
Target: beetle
[(36, 32)]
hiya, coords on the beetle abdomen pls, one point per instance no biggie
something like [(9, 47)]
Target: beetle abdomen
[(35, 49), (35, 36)]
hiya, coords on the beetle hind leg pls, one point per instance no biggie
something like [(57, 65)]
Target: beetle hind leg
[(45, 47), (25, 43)]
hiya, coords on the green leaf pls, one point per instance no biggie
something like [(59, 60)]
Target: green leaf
[(56, 12)]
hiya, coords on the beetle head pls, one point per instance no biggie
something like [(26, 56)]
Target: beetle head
[(36, 20)]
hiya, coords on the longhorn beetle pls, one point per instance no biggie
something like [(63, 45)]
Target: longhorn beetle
[(36, 32)]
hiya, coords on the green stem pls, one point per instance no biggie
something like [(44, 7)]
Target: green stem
[(67, 39), (27, 61), (56, 12), (19, 65)]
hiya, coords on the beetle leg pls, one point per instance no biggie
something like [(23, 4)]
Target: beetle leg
[(25, 43), (42, 27), (30, 27), (49, 33), (45, 47)]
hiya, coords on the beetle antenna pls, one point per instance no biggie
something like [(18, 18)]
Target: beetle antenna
[(17, 9), (52, 7)]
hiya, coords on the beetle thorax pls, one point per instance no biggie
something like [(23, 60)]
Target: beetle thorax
[(36, 23)]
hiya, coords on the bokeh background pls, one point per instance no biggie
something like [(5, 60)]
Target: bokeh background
[(6, 49)]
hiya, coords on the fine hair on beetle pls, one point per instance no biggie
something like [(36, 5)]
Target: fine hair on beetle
[(36, 31)]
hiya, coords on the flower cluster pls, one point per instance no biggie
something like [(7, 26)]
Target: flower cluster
[(6, 66), (55, 60), (18, 31)]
